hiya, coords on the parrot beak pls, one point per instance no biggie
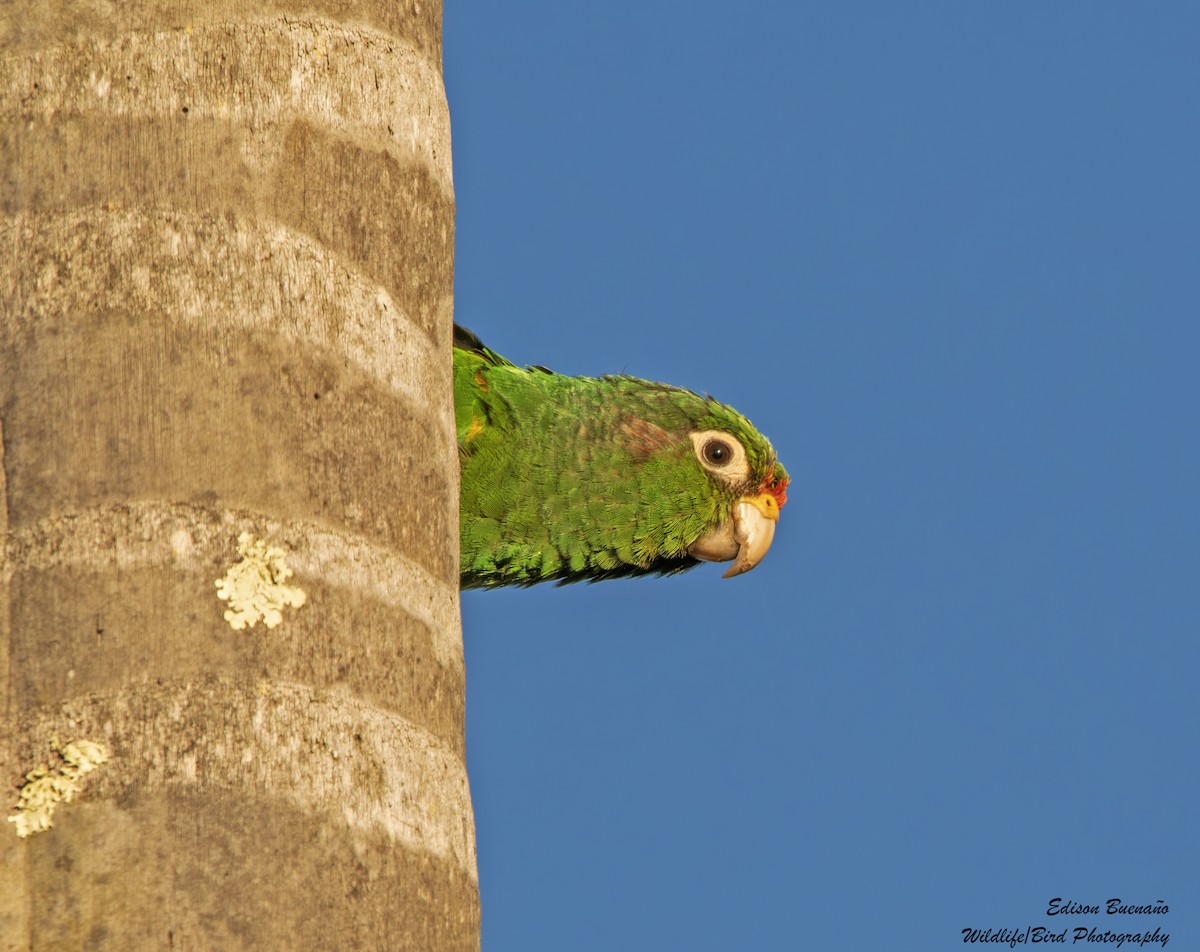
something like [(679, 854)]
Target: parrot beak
[(754, 521), (745, 538)]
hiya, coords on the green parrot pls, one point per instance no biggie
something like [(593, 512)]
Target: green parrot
[(574, 478)]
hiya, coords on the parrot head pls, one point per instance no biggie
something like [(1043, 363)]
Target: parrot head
[(702, 465), (751, 493)]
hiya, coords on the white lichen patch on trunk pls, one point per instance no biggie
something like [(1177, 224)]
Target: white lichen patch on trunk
[(48, 785), (254, 587)]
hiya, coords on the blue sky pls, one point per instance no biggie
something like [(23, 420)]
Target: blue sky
[(946, 256)]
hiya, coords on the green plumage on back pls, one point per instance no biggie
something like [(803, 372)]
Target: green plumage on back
[(574, 478)]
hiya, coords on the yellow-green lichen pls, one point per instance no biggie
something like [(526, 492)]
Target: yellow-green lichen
[(47, 786), (254, 586)]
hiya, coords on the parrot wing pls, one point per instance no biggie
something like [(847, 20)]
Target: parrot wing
[(469, 341)]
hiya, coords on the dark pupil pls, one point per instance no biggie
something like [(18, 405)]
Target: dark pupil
[(716, 452)]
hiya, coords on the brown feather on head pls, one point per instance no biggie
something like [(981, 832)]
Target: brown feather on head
[(643, 438)]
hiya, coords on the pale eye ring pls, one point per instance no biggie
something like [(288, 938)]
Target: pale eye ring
[(717, 453), (722, 455)]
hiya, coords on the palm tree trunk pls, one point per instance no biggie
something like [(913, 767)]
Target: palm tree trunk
[(226, 252)]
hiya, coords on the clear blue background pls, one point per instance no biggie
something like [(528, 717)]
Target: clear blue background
[(946, 256)]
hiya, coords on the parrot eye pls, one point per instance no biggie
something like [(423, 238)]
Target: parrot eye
[(722, 455), (717, 452)]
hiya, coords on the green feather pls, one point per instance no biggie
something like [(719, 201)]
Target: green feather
[(573, 478)]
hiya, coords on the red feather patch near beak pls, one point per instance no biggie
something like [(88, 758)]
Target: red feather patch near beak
[(775, 486)]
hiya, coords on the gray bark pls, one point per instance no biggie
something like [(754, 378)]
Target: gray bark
[(226, 252)]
